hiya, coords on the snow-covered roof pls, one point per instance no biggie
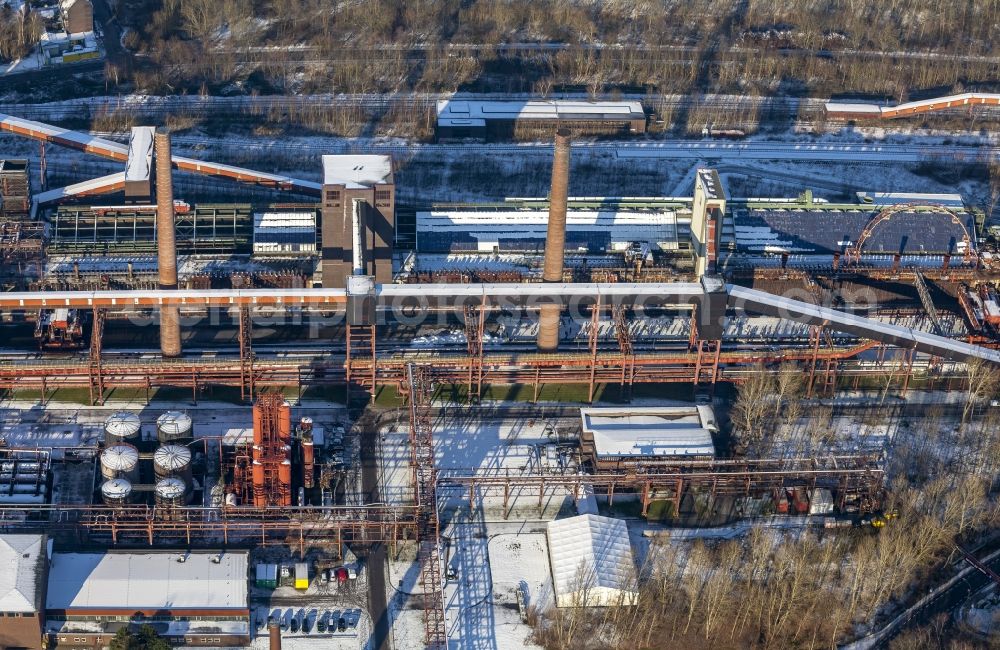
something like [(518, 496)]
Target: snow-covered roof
[(660, 431), (847, 107), (147, 581), (102, 185), (357, 171), (140, 154), (900, 198), (21, 560), (444, 230), (711, 184), (284, 220), (461, 112), (590, 553)]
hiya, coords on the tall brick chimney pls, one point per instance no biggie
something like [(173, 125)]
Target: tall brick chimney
[(166, 248), (555, 242)]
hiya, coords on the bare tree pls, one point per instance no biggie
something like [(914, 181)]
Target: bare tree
[(982, 381), (753, 406)]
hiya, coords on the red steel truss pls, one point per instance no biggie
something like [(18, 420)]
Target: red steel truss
[(425, 488)]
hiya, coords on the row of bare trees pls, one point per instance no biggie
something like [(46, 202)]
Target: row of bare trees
[(776, 589), (697, 46), (781, 590)]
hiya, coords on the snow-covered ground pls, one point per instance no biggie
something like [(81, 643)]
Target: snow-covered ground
[(464, 444)]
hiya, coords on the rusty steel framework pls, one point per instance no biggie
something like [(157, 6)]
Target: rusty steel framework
[(707, 364), (360, 361), (475, 331), (96, 346), (858, 481), (247, 381), (210, 526), (421, 391)]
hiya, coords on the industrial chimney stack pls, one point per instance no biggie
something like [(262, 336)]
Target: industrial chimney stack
[(555, 242), (166, 249), (274, 635)]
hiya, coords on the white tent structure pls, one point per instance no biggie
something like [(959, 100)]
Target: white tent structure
[(592, 564)]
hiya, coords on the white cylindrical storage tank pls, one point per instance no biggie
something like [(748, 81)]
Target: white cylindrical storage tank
[(170, 493), (117, 492), (122, 427), (173, 426), (120, 461), (173, 460)]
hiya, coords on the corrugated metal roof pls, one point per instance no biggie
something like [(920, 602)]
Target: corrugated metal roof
[(21, 558), (820, 231), (132, 581), (450, 110), (661, 431)]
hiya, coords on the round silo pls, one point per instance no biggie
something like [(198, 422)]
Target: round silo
[(172, 461), (174, 426), (120, 461), (122, 427), (117, 492), (285, 422), (170, 493)]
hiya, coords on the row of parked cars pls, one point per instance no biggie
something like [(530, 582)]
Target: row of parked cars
[(312, 621)]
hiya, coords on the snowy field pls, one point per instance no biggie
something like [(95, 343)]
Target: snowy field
[(489, 562)]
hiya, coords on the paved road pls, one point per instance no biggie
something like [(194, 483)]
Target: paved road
[(376, 554), (947, 600)]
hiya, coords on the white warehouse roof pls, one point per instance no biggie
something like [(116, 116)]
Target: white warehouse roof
[(22, 559), (663, 431), (592, 562), (357, 172), (147, 581), (483, 229), (461, 112)]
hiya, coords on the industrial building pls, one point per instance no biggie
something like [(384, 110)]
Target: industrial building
[(503, 120), (810, 234), (597, 226), (592, 562), (284, 233), (23, 573), (357, 189), (613, 438), (191, 598)]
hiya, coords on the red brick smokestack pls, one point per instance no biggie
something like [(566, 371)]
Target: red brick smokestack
[(555, 242), (166, 249), (274, 635)]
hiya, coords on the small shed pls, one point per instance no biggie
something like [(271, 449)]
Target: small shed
[(592, 563)]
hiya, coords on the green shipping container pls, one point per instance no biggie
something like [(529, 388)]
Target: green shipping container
[(267, 576)]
